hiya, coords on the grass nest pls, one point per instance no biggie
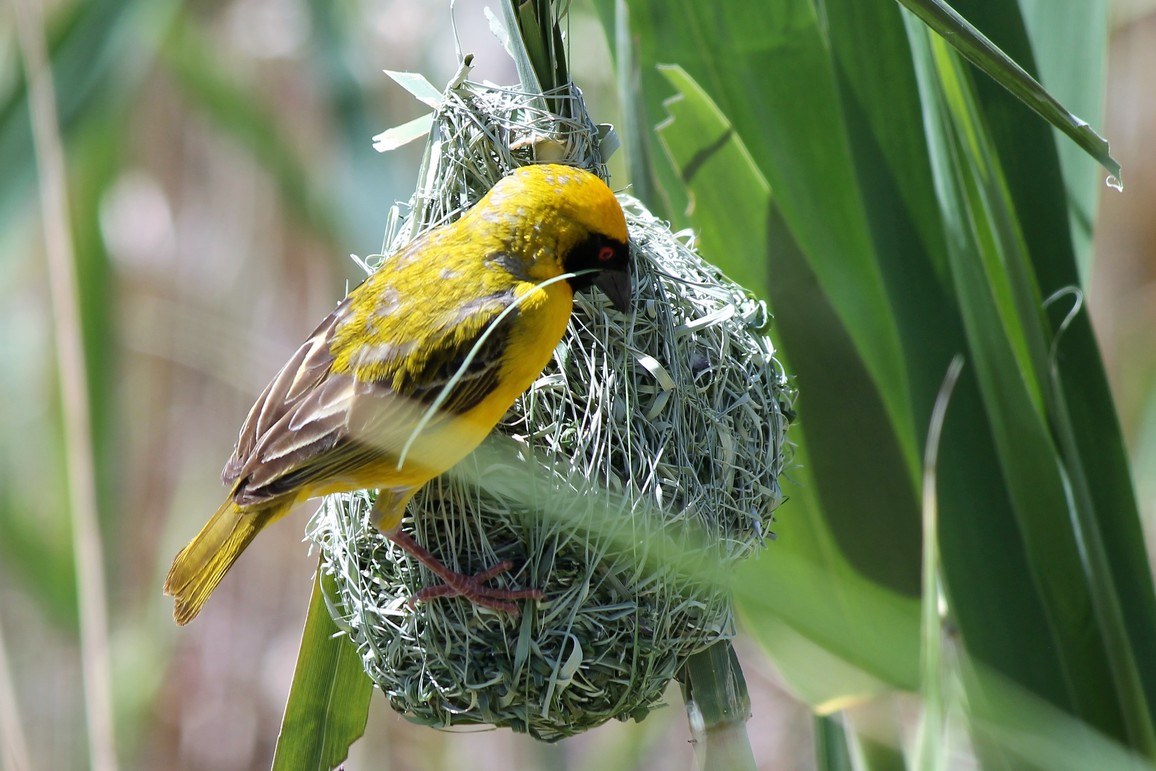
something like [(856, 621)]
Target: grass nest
[(625, 483)]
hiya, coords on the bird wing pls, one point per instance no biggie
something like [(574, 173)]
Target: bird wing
[(348, 400), (305, 371)]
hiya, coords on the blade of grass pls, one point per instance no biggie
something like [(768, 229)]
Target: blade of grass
[(737, 226), (328, 702), (636, 132), (1069, 38), (980, 51), (704, 146), (1045, 368), (1029, 161), (13, 746), (73, 382), (1033, 733), (538, 29), (518, 48), (831, 752), (994, 290), (1094, 560), (931, 737), (885, 130), (642, 110), (718, 706), (736, 219), (853, 620)]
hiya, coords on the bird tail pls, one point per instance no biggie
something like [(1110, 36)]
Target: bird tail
[(202, 564)]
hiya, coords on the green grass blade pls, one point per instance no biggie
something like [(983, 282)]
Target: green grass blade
[(1045, 370), (831, 745), (1069, 38), (1099, 670), (931, 737), (983, 53), (1032, 474), (636, 131), (526, 63), (718, 707), (839, 638), (1028, 732), (739, 221), (329, 699), (74, 383), (824, 604), (1030, 163), (737, 230), (643, 110)]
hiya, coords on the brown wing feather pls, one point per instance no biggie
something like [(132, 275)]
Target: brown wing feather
[(303, 373), (310, 423)]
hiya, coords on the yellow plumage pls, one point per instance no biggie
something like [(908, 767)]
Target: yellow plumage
[(202, 564), (415, 367)]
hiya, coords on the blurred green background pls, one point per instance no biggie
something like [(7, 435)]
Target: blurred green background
[(220, 169)]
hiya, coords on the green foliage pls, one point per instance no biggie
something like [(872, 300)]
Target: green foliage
[(329, 702), (894, 206), (904, 209)]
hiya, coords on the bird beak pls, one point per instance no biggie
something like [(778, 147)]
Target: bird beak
[(615, 284)]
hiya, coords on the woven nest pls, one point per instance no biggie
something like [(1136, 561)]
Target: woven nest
[(639, 467)]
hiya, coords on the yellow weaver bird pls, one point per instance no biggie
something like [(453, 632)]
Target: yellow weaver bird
[(414, 368)]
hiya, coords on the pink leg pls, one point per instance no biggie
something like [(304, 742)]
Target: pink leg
[(458, 585)]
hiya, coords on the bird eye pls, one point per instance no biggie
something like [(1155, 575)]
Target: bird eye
[(606, 254)]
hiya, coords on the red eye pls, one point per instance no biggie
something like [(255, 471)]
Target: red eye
[(606, 254)]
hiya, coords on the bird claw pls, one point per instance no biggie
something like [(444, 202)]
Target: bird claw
[(472, 588), (459, 585)]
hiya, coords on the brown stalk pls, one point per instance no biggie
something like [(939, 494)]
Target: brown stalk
[(58, 246)]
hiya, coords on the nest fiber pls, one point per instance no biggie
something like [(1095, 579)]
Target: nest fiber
[(639, 467)]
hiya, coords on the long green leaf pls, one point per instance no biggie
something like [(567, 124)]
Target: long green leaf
[(1010, 553), (1029, 160), (931, 737), (1069, 38), (777, 60), (1099, 668), (718, 706), (636, 131), (1032, 733), (704, 146), (979, 50), (990, 189), (329, 700), (831, 745), (735, 216), (825, 603), (740, 234), (642, 110)]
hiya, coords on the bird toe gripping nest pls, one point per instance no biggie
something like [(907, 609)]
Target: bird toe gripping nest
[(637, 470)]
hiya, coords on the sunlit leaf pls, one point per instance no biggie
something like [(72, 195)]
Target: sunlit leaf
[(329, 700)]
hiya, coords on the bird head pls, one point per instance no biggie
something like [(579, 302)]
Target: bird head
[(566, 221)]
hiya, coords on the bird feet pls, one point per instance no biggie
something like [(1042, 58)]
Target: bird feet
[(459, 585)]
